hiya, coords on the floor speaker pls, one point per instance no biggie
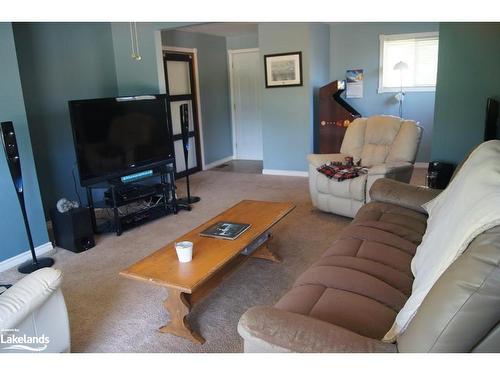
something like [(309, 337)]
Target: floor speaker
[(9, 142), (73, 229), (184, 114)]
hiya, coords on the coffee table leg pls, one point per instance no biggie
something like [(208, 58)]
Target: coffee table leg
[(264, 252), (178, 308)]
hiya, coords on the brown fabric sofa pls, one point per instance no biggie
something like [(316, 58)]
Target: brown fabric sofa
[(348, 299)]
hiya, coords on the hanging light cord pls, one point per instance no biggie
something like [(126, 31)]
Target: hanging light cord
[(132, 40), (139, 57)]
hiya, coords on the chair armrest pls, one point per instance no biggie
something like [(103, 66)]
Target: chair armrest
[(317, 160), (279, 330), (27, 295), (389, 168), (409, 196)]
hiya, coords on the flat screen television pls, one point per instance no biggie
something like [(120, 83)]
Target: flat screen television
[(118, 136)]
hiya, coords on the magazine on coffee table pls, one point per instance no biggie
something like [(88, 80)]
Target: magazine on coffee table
[(225, 230)]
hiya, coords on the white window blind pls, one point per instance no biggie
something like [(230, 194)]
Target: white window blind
[(418, 51)]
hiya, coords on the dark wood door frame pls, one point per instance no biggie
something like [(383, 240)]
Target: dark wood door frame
[(186, 57)]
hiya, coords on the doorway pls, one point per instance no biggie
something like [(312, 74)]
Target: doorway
[(181, 86), (246, 89)]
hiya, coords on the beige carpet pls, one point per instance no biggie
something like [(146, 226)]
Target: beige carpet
[(111, 314)]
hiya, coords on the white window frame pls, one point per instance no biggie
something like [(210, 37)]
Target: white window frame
[(383, 38)]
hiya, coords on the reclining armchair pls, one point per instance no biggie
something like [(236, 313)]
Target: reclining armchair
[(386, 145), (35, 307)]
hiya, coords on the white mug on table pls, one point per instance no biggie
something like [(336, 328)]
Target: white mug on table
[(184, 251)]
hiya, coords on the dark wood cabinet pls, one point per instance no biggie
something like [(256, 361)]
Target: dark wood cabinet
[(335, 115)]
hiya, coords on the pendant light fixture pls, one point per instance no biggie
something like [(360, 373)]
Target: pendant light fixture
[(134, 41)]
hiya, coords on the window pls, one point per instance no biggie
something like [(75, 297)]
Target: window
[(419, 52)]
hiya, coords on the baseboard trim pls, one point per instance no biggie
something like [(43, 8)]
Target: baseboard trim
[(422, 165), (218, 162), (282, 172), (23, 257)]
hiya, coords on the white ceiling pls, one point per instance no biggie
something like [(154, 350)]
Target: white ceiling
[(223, 29)]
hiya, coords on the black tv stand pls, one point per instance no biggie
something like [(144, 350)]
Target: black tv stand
[(129, 193), (160, 195)]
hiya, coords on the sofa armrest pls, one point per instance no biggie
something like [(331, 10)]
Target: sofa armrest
[(409, 196), (27, 295), (389, 168), (317, 160), (266, 328)]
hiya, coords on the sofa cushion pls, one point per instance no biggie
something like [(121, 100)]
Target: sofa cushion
[(353, 188), (411, 224), (344, 308), (363, 280), (365, 241)]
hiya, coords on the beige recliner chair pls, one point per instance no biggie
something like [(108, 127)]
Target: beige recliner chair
[(387, 145), (34, 308)]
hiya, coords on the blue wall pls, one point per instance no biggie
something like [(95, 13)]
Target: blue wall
[(138, 77), (214, 89), (356, 45), (60, 62), (243, 41), (320, 69), (12, 233), (468, 73), (287, 112)]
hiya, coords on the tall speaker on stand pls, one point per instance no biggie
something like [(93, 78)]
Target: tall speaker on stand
[(184, 111), (12, 154)]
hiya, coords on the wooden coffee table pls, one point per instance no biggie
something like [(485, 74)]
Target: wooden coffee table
[(213, 260)]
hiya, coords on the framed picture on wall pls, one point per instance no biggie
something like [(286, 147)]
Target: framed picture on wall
[(283, 69)]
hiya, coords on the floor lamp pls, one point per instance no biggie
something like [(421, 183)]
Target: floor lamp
[(12, 154), (400, 96)]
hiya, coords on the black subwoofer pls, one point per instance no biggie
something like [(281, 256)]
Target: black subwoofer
[(439, 174), (73, 229)]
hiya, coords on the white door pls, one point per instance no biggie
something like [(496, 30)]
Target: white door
[(246, 88)]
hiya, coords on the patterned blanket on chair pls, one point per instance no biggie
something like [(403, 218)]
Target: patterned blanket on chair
[(340, 172)]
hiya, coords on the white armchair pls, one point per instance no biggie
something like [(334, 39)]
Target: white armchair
[(387, 145), (33, 315)]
